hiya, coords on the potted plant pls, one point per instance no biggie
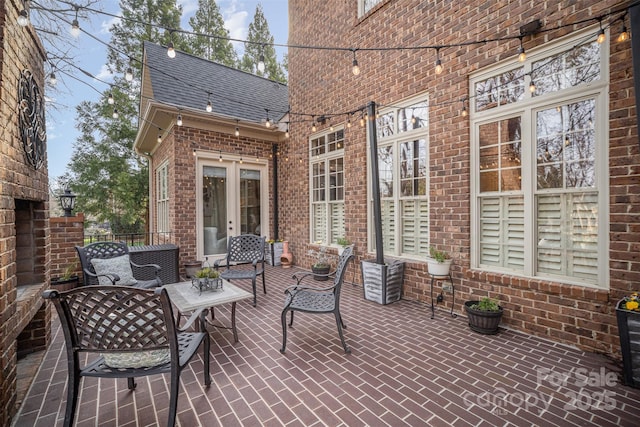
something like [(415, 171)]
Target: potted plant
[(628, 317), (68, 280), (274, 251), (343, 242), (438, 262), (207, 278), (321, 267), (484, 315)]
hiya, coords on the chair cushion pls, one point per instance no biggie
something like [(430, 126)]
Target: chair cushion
[(119, 265), (137, 359)]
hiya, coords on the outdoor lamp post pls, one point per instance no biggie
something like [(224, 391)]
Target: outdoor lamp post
[(67, 201)]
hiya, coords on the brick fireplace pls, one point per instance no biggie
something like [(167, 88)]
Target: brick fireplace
[(24, 203)]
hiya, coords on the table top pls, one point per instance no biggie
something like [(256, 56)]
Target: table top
[(188, 298)]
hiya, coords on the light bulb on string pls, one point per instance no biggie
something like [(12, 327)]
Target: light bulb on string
[(267, 122), (522, 56), (159, 138), (601, 35), (23, 18), (220, 158), (240, 159), (532, 86), (464, 111), (349, 121), (438, 62), (115, 113), (355, 69), (624, 34), (209, 107), (286, 133), (110, 99), (171, 51), (128, 75), (52, 79), (237, 132), (261, 63), (179, 120), (75, 26)]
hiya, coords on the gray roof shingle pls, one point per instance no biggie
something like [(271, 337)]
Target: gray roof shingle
[(185, 80)]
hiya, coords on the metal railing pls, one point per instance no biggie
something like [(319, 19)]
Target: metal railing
[(131, 239)]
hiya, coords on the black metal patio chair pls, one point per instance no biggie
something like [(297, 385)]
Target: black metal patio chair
[(131, 333), (109, 263), (244, 249), (309, 299)]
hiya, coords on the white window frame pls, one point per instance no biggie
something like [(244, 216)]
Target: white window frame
[(162, 198), (364, 6), (395, 140), (527, 108), (328, 156)]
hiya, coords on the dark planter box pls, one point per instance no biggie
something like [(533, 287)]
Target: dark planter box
[(166, 256), (382, 283), (483, 322), (65, 284), (629, 331)]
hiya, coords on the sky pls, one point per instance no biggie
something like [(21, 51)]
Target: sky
[(92, 55)]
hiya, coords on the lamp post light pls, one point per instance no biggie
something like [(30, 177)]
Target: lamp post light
[(67, 201)]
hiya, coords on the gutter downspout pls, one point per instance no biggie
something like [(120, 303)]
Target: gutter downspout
[(276, 226)]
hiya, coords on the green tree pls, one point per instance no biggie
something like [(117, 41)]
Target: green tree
[(109, 177), (259, 45), (212, 39)]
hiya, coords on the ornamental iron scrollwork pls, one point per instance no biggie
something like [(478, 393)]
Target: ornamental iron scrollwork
[(33, 133)]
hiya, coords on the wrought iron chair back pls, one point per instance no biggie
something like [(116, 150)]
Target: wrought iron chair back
[(244, 249), (107, 250), (309, 299), (122, 325)]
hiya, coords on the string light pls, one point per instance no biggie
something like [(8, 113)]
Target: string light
[(261, 61), (209, 106), (240, 159), (159, 136), (128, 75), (23, 18), (179, 120), (220, 158), (194, 152), (313, 125), (532, 86), (601, 36), (522, 56), (52, 79), (75, 26), (237, 132), (171, 52), (257, 157), (110, 99), (362, 122), (286, 133), (355, 69), (438, 61), (267, 122), (624, 34), (116, 115)]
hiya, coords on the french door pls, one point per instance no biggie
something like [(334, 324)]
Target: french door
[(233, 201)]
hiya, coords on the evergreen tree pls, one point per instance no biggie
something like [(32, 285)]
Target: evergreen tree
[(212, 41), (259, 45), (110, 178)]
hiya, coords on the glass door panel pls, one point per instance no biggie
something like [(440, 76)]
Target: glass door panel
[(250, 213), (214, 209)]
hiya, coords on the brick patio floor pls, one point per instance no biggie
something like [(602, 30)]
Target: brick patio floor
[(405, 369)]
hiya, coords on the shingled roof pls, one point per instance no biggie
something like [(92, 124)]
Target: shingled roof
[(185, 80)]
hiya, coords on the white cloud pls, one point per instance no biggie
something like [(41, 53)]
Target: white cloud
[(105, 26), (104, 73), (235, 20), (188, 7)]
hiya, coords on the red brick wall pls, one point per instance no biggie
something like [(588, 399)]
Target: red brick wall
[(19, 49), (178, 147), (321, 82), (66, 234)]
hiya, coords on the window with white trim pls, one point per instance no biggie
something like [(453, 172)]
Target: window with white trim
[(327, 187), (402, 133), (539, 178), (162, 197), (365, 6)]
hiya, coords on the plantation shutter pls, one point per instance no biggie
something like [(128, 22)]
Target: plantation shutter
[(502, 231), (415, 227), (337, 221), (388, 225), (319, 222), (567, 234)]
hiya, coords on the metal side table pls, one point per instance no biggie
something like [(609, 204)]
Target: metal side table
[(440, 297)]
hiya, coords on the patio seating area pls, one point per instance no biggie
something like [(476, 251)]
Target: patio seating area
[(404, 369)]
